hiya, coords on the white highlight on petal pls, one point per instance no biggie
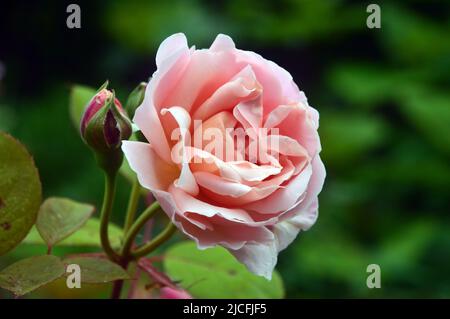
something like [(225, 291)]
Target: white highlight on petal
[(260, 259), (170, 46), (221, 43), (186, 180)]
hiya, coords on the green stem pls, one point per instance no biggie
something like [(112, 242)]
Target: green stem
[(132, 205), (108, 200), (136, 227), (155, 243)]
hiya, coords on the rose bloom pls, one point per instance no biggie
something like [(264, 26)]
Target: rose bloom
[(254, 206)]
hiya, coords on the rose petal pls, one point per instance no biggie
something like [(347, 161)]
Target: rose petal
[(205, 73), (220, 185), (147, 115), (222, 43), (284, 198), (186, 180), (242, 86), (153, 173), (260, 259), (169, 47), (230, 234), (309, 205), (187, 203)]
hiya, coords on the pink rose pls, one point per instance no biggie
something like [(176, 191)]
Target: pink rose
[(255, 202)]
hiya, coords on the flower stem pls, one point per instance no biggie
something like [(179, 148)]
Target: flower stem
[(136, 227), (138, 272), (118, 284), (117, 289), (132, 205), (155, 243), (108, 200)]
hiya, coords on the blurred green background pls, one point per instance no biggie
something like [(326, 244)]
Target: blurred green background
[(383, 97)]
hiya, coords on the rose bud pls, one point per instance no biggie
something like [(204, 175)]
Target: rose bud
[(172, 293), (135, 98), (103, 127)]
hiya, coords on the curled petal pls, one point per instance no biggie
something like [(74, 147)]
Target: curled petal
[(153, 172)]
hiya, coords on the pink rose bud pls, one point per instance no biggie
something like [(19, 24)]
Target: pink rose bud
[(172, 293), (103, 127)]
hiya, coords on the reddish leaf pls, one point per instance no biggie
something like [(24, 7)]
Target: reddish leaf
[(157, 276)]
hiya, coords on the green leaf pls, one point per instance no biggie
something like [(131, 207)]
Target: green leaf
[(361, 85), (80, 95), (29, 274), (429, 112), (58, 218), (214, 273), (20, 193), (411, 37), (400, 252), (98, 270), (88, 236), (332, 256), (346, 138)]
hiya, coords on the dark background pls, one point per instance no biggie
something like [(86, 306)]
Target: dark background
[(383, 97)]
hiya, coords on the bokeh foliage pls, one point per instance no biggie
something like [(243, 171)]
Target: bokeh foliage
[(382, 94)]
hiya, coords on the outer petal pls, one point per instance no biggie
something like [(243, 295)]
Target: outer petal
[(308, 208), (232, 237), (260, 259), (170, 69), (231, 234), (222, 43), (286, 231), (204, 74), (153, 173), (170, 46), (303, 216), (279, 88)]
